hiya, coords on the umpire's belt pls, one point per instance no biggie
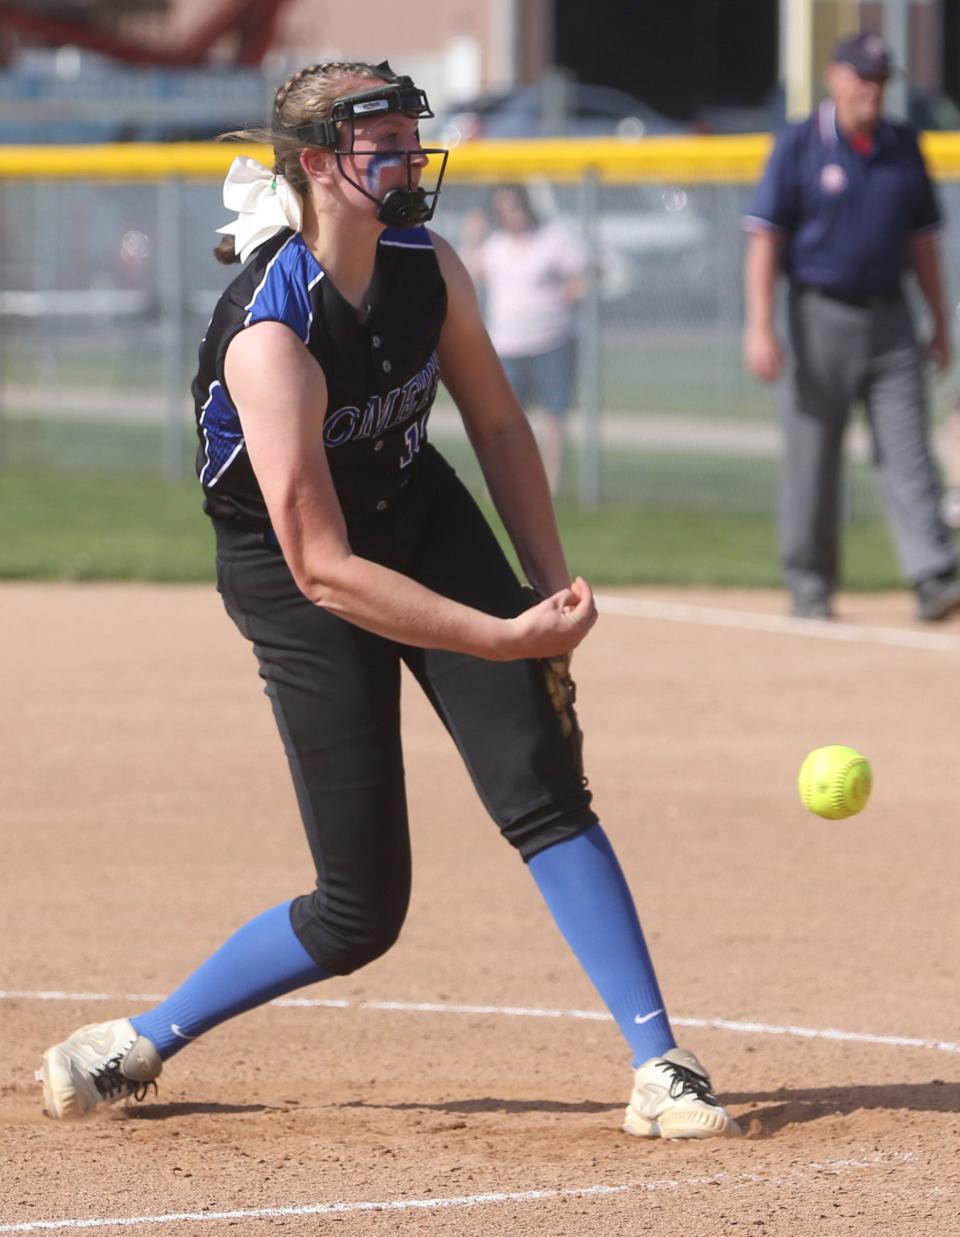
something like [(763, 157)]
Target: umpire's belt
[(856, 299)]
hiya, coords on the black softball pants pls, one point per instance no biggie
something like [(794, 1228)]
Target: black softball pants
[(335, 691)]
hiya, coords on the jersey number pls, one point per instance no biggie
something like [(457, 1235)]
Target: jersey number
[(415, 437)]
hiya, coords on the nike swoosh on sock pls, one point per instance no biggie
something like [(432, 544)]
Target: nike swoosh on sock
[(640, 1019), (178, 1033)]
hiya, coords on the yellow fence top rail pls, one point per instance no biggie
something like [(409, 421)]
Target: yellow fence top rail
[(684, 160)]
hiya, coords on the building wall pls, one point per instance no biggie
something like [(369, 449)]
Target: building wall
[(375, 29), (454, 50)]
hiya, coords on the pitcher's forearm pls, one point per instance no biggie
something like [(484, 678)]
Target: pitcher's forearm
[(515, 477), (392, 605)]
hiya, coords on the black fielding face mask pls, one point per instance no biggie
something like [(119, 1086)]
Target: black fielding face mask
[(406, 206)]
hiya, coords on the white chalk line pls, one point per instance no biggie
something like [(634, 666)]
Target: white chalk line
[(519, 1011), (817, 629), (736, 1180)]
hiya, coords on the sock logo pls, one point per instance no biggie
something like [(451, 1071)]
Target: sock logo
[(178, 1033), (640, 1019)]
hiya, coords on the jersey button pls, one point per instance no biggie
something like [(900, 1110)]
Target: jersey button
[(378, 445), (375, 341), (387, 367), (382, 505)]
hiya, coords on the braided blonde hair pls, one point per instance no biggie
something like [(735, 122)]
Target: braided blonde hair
[(305, 97)]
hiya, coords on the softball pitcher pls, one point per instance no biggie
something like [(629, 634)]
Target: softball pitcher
[(347, 545)]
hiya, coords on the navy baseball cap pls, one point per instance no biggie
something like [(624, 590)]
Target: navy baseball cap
[(866, 53)]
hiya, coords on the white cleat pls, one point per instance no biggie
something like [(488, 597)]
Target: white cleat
[(99, 1064), (671, 1098)]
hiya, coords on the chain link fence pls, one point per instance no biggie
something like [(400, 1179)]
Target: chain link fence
[(106, 287)]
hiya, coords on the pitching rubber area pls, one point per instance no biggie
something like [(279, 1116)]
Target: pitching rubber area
[(469, 1082)]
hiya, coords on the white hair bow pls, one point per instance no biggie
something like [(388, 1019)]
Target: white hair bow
[(265, 204)]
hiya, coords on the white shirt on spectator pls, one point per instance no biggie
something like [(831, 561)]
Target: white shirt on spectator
[(526, 275)]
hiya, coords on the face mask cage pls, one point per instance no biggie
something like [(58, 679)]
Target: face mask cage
[(405, 206)]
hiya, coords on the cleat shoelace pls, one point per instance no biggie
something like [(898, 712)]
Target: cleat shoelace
[(111, 1082), (688, 1082)]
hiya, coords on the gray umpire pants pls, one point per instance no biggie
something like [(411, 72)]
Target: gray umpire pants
[(839, 354)]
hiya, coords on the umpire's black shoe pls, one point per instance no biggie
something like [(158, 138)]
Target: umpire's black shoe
[(938, 597), (811, 608)]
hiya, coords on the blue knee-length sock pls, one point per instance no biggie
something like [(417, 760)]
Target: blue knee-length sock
[(584, 887), (262, 960)]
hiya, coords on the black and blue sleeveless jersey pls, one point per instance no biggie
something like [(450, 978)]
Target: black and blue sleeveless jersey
[(381, 371)]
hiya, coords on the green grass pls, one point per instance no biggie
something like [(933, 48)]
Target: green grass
[(624, 546), (42, 444), (679, 485), (630, 478), (83, 527), (89, 527), (86, 500), (681, 371)]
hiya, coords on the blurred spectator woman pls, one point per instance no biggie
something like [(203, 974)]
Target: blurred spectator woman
[(533, 274)]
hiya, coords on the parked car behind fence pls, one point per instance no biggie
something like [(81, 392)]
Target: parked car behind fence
[(553, 108)]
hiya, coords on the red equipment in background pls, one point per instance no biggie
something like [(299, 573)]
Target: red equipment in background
[(253, 24)]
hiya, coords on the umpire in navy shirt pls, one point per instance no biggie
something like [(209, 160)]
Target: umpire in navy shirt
[(845, 208)]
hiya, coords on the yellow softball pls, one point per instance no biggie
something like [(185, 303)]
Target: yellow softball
[(835, 782)]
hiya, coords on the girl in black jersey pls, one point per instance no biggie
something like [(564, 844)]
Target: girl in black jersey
[(345, 546)]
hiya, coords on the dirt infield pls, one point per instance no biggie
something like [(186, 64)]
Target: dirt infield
[(146, 813)]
